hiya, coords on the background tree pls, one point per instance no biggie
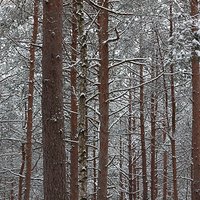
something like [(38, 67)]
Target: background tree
[(31, 80)]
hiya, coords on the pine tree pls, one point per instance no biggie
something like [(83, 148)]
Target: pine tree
[(54, 155)]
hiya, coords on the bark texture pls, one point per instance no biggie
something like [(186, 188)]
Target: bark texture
[(153, 143), (74, 109), (103, 100), (142, 136), (196, 106), (29, 131), (54, 155), (82, 122), (121, 184), (173, 101)]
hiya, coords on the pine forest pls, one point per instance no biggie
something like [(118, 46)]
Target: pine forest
[(99, 100)]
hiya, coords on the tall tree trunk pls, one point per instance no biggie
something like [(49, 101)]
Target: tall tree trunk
[(94, 170), (31, 80), (165, 131), (73, 120), (165, 121), (21, 173), (165, 160), (120, 167), (138, 184), (196, 105), (94, 152), (134, 165), (54, 155), (173, 142), (82, 124), (153, 142), (103, 101), (131, 153), (142, 137)]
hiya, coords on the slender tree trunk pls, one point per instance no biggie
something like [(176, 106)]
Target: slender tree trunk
[(165, 160), (103, 101), (130, 150), (196, 105), (142, 135), (73, 121), (153, 143), (94, 170), (173, 145), (54, 155), (31, 80), (12, 191), (120, 168), (138, 183), (134, 165), (165, 122), (173, 142), (21, 173), (82, 124), (130, 159), (94, 151)]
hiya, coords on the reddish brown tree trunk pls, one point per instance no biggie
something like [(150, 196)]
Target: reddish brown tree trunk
[(29, 131), (120, 168), (173, 142), (142, 137), (73, 121), (103, 101), (94, 170), (165, 122), (95, 139), (165, 160), (54, 155), (131, 152), (153, 144), (196, 106), (165, 154), (134, 165)]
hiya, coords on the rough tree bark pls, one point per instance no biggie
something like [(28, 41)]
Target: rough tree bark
[(121, 197), (130, 153), (142, 136), (153, 141), (103, 100), (54, 155), (74, 109), (173, 101), (196, 105), (165, 121), (165, 160), (131, 150), (82, 121), (29, 131), (94, 153)]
